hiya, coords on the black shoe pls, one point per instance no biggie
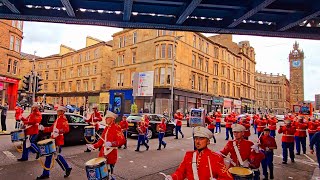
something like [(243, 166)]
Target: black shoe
[(283, 162), (304, 153), (148, 148), (176, 138), (119, 147), (271, 177), (292, 160), (297, 153), (159, 149), (164, 146), (125, 148), (88, 150), (21, 160), (137, 150), (226, 139), (38, 155), (43, 177), (182, 136), (68, 171)]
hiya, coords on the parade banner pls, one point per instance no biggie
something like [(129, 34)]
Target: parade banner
[(197, 117)]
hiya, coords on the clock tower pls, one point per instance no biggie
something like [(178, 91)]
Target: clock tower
[(296, 58)]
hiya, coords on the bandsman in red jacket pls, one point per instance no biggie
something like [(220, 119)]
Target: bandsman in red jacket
[(111, 138), (246, 123), (31, 126), (229, 121), (312, 127), (201, 164), (124, 128), (57, 130), (210, 121), (218, 116), (255, 118), (178, 119), (268, 144), (261, 124), (273, 126), (94, 120), (18, 115), (300, 136), (162, 127), (287, 140), (146, 123), (142, 130)]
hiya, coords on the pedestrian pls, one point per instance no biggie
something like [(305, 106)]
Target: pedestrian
[(31, 127), (268, 144), (124, 128), (273, 126), (165, 113), (162, 127), (243, 152), (201, 163), (287, 140), (178, 118), (210, 121), (94, 120), (147, 123), (315, 141), (218, 116), (57, 130), (111, 138), (142, 134), (18, 114), (81, 109), (229, 121), (4, 112), (300, 136)]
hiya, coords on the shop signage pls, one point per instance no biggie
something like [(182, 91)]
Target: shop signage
[(237, 103), (217, 101), (143, 83), (9, 80), (227, 103)]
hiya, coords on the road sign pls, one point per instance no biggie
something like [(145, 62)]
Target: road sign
[(143, 83)]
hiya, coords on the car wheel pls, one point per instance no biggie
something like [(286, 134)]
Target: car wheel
[(150, 134)]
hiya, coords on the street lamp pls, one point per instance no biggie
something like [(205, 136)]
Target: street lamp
[(34, 78), (172, 72)]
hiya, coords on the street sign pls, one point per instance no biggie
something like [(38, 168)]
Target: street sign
[(143, 83)]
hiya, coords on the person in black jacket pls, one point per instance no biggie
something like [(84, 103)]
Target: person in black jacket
[(81, 110), (4, 111)]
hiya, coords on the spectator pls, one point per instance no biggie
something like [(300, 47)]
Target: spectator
[(4, 117), (81, 110)]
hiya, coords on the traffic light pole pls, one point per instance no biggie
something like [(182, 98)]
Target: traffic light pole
[(34, 78)]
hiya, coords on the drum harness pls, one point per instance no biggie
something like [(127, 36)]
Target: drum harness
[(93, 137), (195, 168)]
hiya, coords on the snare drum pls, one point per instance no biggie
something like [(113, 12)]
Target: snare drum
[(89, 131), (47, 147), (18, 135), (240, 173), (97, 169)]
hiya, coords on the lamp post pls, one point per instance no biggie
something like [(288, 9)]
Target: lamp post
[(172, 72), (34, 78)]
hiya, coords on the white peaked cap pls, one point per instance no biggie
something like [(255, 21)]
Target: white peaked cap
[(238, 128), (200, 131), (111, 115), (61, 108)]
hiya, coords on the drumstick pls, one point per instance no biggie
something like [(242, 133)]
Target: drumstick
[(163, 174), (231, 161)]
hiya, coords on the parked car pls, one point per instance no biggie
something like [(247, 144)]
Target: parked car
[(155, 119), (72, 108), (76, 125), (47, 107)]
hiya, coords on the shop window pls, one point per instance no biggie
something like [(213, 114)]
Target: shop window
[(9, 65), (15, 67)]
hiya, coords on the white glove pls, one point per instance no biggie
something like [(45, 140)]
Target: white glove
[(168, 177), (255, 147), (246, 163), (90, 146), (108, 144), (41, 128), (55, 130)]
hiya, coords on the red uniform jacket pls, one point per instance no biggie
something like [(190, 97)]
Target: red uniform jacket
[(244, 147), (255, 118), (178, 117), (210, 121), (288, 133), (246, 124), (32, 123), (61, 123), (255, 159), (146, 122), (162, 127), (301, 129), (229, 121), (261, 124), (124, 125), (267, 141), (113, 134), (219, 170), (142, 129), (218, 117), (273, 123), (312, 127), (94, 119), (19, 112)]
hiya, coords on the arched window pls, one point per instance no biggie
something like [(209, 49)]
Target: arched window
[(15, 67), (9, 65)]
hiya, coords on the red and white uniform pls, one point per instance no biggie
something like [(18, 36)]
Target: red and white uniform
[(261, 124), (61, 123), (142, 129), (162, 127), (32, 122), (229, 121), (210, 121), (273, 123), (218, 116), (124, 125), (267, 142), (301, 129), (288, 133), (95, 117), (113, 134), (218, 168), (312, 127), (146, 121), (18, 112), (178, 118), (246, 124)]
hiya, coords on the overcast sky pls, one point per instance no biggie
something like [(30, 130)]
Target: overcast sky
[(271, 53)]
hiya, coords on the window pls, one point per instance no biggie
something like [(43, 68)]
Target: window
[(223, 88), (19, 25), (11, 42), (216, 52), (193, 60), (45, 86), (86, 85), (163, 51), (86, 70), (194, 41), (206, 85), (162, 75), (71, 73), (69, 86), (228, 89), (96, 53), (248, 78), (9, 65), (80, 58), (17, 45), (169, 75), (15, 67), (156, 76), (215, 87), (200, 45), (63, 86), (120, 42), (78, 85), (13, 23), (76, 119), (228, 73), (157, 51), (87, 56), (56, 75), (200, 63), (206, 65), (133, 57), (215, 69), (122, 59), (244, 77), (63, 74), (132, 78), (134, 39), (79, 71), (47, 64), (124, 41), (170, 55), (47, 75), (193, 79), (94, 69), (207, 47), (199, 83), (120, 78), (93, 85), (55, 87), (234, 75)]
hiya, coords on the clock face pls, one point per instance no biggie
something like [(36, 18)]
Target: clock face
[(296, 63)]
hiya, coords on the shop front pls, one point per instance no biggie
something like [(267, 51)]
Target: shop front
[(217, 103), (104, 101), (9, 91), (247, 106), (237, 106), (227, 105), (120, 101)]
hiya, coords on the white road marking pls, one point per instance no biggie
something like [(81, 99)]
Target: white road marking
[(190, 138), (120, 157), (9, 154), (290, 177), (131, 161), (144, 166), (300, 161), (182, 149), (309, 158)]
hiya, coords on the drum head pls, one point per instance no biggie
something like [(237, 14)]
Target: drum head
[(95, 161), (89, 127), (240, 171), (46, 141)]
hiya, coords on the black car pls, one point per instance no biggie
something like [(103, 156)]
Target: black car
[(76, 126), (155, 119)]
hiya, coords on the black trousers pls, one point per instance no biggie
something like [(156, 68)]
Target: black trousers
[(3, 122)]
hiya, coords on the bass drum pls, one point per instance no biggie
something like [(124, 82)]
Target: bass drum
[(240, 173)]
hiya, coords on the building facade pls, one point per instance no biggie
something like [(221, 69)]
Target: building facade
[(272, 93), (10, 45), (77, 77), (209, 72), (296, 63)]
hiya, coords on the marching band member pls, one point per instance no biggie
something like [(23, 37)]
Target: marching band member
[(178, 118), (315, 141), (300, 136), (210, 121), (142, 134), (111, 138), (229, 121), (312, 127), (261, 124), (255, 118), (268, 144), (273, 126), (218, 116), (94, 120), (243, 152), (201, 164), (124, 127), (18, 114), (162, 127), (244, 122), (146, 122), (287, 140), (58, 129), (31, 124)]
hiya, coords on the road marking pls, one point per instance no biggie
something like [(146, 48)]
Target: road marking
[(120, 157), (190, 138), (9, 154), (309, 158), (144, 166), (182, 149), (301, 161), (290, 177), (131, 161)]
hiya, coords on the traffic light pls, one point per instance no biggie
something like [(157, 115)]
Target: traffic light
[(38, 83), (27, 82)]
